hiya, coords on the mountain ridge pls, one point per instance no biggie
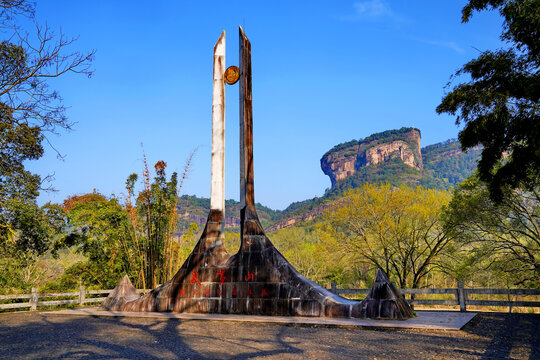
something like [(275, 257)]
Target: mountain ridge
[(393, 156)]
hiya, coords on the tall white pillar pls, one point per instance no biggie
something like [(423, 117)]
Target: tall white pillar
[(217, 188)]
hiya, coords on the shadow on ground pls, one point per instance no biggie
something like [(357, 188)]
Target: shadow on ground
[(38, 336), (32, 335), (508, 336)]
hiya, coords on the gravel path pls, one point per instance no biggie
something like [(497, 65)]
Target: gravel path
[(27, 335)]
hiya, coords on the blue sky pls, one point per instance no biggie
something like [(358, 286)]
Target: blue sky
[(324, 72)]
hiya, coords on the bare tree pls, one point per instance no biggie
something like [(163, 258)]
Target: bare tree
[(9, 9), (27, 61)]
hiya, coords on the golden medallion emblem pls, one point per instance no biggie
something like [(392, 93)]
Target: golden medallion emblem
[(232, 74)]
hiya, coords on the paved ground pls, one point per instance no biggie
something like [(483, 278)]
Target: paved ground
[(441, 320), (38, 336)]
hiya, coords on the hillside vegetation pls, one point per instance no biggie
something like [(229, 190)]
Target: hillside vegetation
[(438, 166), (444, 166), (193, 209)]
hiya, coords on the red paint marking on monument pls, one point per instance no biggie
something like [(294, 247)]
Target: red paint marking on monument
[(194, 278), (221, 274), (249, 276), (250, 292), (264, 292)]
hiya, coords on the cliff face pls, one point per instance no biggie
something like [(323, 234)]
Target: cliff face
[(396, 149), (345, 159), (339, 166), (393, 156)]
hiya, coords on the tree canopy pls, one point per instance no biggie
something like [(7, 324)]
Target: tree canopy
[(29, 110), (138, 237), (501, 237), (395, 229), (499, 104)]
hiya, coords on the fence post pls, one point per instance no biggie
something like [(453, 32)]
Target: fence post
[(82, 295), (509, 297), (34, 299), (461, 297), (333, 288)]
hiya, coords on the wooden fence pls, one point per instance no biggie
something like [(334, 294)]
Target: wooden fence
[(461, 296), (35, 299)]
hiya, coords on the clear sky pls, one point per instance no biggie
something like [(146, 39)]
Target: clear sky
[(324, 72)]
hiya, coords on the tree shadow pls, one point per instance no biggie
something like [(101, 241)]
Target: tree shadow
[(35, 335), (68, 337), (506, 333)]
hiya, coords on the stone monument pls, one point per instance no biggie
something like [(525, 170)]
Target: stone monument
[(257, 280)]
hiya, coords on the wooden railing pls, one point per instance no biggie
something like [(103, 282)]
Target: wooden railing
[(461, 296), (36, 299)]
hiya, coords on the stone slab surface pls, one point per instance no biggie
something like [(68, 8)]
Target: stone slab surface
[(440, 320)]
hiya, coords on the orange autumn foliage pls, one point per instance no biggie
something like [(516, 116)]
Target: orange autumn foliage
[(73, 200)]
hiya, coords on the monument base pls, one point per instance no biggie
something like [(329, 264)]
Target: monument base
[(257, 280)]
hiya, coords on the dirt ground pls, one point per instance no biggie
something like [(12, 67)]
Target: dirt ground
[(26, 335)]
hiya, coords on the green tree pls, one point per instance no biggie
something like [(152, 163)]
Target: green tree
[(301, 246), (100, 230), (499, 105), (137, 237), (155, 220), (35, 230), (501, 237), (156, 206), (29, 110), (395, 229), (18, 187)]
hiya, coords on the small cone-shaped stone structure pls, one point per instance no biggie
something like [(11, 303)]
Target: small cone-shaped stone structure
[(123, 293), (384, 301), (257, 280)]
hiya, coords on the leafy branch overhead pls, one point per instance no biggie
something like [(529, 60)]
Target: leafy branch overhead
[(29, 110), (26, 62), (499, 106), (28, 107)]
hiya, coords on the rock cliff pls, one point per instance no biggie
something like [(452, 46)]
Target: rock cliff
[(345, 159), (392, 156)]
